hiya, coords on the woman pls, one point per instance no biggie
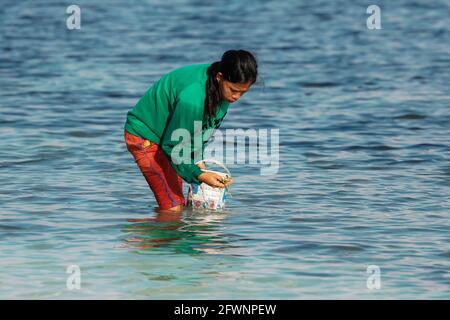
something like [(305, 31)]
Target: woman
[(183, 99)]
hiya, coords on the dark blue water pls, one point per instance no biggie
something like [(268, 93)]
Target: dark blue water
[(364, 173)]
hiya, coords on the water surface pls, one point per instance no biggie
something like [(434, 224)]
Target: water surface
[(364, 174)]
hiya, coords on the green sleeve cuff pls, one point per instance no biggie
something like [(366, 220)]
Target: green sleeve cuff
[(195, 174)]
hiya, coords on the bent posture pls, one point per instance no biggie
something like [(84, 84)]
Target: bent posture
[(182, 99)]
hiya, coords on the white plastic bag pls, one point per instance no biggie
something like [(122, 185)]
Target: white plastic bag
[(204, 196)]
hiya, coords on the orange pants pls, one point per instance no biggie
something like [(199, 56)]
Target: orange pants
[(161, 177)]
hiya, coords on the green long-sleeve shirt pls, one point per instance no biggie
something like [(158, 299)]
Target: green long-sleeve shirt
[(176, 101)]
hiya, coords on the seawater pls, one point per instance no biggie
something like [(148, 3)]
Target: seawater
[(364, 125)]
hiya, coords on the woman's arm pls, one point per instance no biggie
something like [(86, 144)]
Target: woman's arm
[(184, 117)]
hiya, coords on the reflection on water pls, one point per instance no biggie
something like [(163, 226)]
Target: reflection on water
[(188, 232)]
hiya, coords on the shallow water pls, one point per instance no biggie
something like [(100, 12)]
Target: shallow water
[(364, 174)]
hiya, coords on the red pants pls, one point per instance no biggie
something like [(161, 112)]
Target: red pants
[(161, 177)]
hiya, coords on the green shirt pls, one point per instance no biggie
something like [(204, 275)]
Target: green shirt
[(176, 101)]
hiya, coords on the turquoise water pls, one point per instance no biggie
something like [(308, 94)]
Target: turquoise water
[(364, 174)]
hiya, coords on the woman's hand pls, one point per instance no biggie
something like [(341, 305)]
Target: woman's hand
[(228, 181), (214, 180)]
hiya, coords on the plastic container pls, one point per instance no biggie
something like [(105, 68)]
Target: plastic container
[(203, 196)]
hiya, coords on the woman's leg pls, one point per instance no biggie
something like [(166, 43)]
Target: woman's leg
[(162, 179), (177, 208)]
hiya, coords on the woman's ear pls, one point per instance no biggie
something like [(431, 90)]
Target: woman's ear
[(219, 76)]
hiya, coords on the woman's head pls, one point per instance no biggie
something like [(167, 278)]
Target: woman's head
[(229, 78)]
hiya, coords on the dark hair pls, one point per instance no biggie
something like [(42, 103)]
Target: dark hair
[(237, 66)]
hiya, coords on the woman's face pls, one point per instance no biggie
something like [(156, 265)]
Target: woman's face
[(231, 91)]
